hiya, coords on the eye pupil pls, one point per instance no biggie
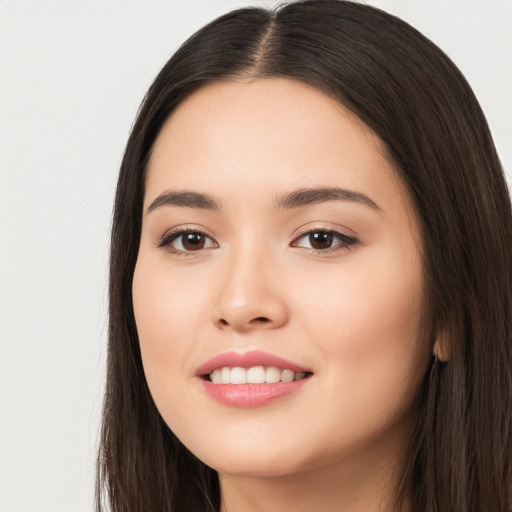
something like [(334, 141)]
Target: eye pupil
[(193, 241), (321, 240)]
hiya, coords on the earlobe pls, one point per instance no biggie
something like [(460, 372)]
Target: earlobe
[(441, 349)]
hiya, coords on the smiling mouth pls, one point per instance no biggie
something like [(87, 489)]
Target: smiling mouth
[(254, 375)]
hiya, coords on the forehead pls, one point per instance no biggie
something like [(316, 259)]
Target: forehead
[(268, 135)]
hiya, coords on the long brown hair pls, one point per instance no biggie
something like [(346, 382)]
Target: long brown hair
[(415, 99)]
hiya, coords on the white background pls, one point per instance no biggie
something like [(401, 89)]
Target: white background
[(72, 75)]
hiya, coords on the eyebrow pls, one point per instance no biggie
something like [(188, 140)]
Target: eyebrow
[(189, 199), (306, 196), (294, 199)]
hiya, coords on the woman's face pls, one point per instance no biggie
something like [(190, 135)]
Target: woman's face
[(276, 236)]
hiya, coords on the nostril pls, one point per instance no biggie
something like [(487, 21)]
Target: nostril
[(261, 319), (244, 323)]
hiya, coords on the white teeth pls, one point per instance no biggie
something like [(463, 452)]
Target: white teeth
[(254, 375), (273, 375), (225, 375), (287, 376), (238, 375)]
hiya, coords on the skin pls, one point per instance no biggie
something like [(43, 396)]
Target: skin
[(350, 313)]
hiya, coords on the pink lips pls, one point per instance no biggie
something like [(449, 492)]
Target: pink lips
[(247, 360), (249, 395)]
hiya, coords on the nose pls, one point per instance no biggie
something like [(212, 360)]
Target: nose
[(250, 296)]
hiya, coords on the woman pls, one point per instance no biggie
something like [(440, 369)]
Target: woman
[(310, 295)]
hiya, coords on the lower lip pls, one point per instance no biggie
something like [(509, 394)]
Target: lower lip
[(251, 395)]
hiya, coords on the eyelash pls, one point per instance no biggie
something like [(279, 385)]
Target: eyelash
[(171, 236), (346, 242)]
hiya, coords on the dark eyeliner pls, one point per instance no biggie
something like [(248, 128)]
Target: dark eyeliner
[(173, 234), (347, 241)]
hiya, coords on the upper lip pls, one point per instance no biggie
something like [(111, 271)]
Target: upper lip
[(248, 360)]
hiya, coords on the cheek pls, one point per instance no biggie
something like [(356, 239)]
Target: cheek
[(166, 320), (366, 318), (167, 305), (368, 329), (370, 301)]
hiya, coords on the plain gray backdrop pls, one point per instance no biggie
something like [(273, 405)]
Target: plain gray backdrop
[(72, 75)]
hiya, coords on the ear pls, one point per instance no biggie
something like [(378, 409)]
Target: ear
[(441, 348)]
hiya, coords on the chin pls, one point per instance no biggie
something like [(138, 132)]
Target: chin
[(256, 467), (250, 459)]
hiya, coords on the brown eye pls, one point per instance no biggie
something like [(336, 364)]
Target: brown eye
[(193, 241), (186, 242), (321, 240)]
